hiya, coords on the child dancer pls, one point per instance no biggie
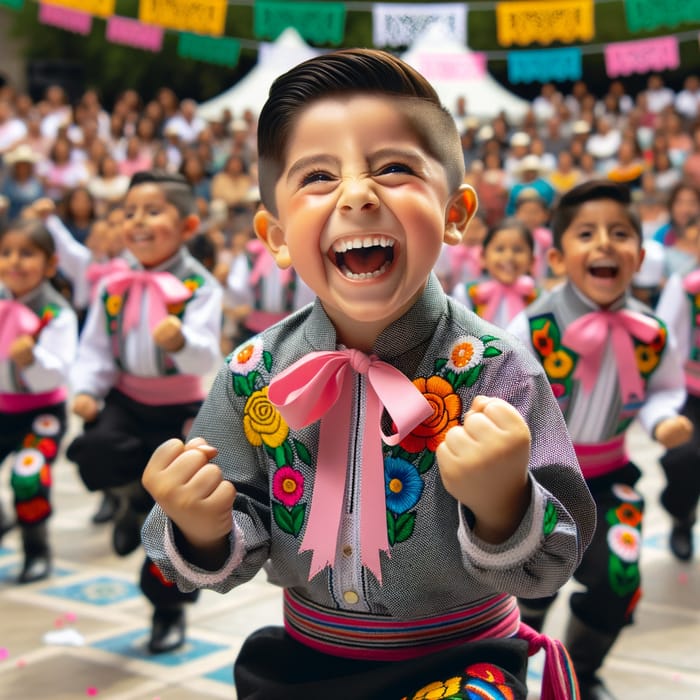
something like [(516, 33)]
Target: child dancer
[(678, 306), (151, 335), (507, 258), (38, 339), (608, 361), (391, 556)]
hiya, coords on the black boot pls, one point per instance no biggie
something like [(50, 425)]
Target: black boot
[(107, 508), (37, 555), (588, 648), (168, 630), (134, 505), (681, 540)]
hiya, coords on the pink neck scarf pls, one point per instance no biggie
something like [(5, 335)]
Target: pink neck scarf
[(162, 287), (462, 257), (265, 264), (691, 282), (15, 320), (320, 386), (99, 270), (587, 337), (492, 293)]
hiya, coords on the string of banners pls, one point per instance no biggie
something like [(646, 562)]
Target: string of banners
[(201, 25)]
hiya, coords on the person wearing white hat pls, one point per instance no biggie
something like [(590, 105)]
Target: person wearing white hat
[(21, 185), (531, 175)]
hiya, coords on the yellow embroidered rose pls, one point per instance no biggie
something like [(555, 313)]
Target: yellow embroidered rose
[(438, 689), (262, 422), (113, 304), (558, 364), (647, 359)]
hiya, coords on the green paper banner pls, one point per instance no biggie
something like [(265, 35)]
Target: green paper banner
[(13, 4), (224, 51), (649, 14), (319, 22)]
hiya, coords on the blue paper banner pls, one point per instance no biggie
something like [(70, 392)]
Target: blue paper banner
[(543, 65)]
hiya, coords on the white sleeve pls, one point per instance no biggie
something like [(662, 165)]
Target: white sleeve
[(237, 281), (73, 260), (459, 293), (673, 309)]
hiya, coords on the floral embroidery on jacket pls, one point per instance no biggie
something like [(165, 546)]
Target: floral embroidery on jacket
[(558, 361), (482, 681)]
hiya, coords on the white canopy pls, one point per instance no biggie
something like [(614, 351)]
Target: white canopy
[(456, 71), (250, 92)]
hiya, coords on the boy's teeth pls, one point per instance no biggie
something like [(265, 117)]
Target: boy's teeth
[(365, 275), (366, 242)]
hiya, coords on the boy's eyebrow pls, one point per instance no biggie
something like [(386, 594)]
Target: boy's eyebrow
[(314, 161)]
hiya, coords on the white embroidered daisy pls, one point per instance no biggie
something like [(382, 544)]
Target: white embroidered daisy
[(28, 462), (465, 354), (245, 357), (46, 425), (624, 541), (626, 493)]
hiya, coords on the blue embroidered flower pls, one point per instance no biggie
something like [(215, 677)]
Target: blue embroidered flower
[(403, 485)]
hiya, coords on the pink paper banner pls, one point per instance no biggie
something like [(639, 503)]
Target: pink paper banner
[(70, 20), (449, 66), (643, 56), (131, 32)]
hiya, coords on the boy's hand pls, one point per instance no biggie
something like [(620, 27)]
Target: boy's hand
[(86, 407), (672, 432), (22, 351), (484, 465), (192, 492), (168, 336), (43, 207)]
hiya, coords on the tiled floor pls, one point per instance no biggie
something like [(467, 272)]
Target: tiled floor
[(82, 633)]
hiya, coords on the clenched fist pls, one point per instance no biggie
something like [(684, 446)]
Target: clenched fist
[(22, 351), (168, 336), (86, 407), (484, 465)]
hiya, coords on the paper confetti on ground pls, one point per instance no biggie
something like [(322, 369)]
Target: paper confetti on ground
[(68, 637)]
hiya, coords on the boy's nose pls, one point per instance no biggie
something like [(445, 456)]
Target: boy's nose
[(357, 195)]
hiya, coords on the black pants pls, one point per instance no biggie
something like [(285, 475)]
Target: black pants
[(34, 437), (609, 569), (112, 454), (273, 666), (682, 467)]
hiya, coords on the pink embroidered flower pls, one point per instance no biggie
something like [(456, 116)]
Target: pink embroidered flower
[(46, 424), (245, 358), (558, 389), (288, 486), (624, 541)]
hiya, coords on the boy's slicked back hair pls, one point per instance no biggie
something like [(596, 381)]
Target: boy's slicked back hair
[(350, 72), (593, 190), (176, 189)]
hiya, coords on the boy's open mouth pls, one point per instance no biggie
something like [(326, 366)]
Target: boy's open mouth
[(603, 270), (363, 258)]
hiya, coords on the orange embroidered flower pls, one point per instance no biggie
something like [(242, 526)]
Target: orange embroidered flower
[(438, 689), (628, 514), (658, 344), (176, 309), (541, 340), (447, 409)]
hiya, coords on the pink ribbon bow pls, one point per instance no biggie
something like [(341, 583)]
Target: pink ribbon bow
[(492, 293), (461, 257), (587, 337), (691, 282), (265, 263), (320, 386), (162, 287), (97, 271), (15, 320)]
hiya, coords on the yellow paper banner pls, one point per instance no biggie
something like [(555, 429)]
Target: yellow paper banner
[(544, 22), (198, 16), (98, 8)]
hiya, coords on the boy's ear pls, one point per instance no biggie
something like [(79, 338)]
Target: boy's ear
[(51, 266), (555, 258), (269, 231), (642, 254), (461, 208), (190, 226)]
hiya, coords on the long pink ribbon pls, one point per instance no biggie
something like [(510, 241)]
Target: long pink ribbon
[(492, 292), (15, 320), (320, 387), (461, 257), (264, 264), (691, 282), (162, 288), (100, 270), (587, 337)]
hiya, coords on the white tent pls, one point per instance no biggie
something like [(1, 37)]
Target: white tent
[(250, 92), (456, 71)]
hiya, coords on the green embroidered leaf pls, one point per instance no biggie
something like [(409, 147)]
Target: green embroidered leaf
[(426, 461), (550, 518), (451, 377), (391, 527), (267, 360), (492, 352), (252, 380), (302, 452), (283, 518), (240, 385), (297, 518), (404, 526), (270, 450), (624, 579), (280, 455), (611, 517), (439, 364), (473, 375), (288, 454), (487, 338), (402, 454)]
